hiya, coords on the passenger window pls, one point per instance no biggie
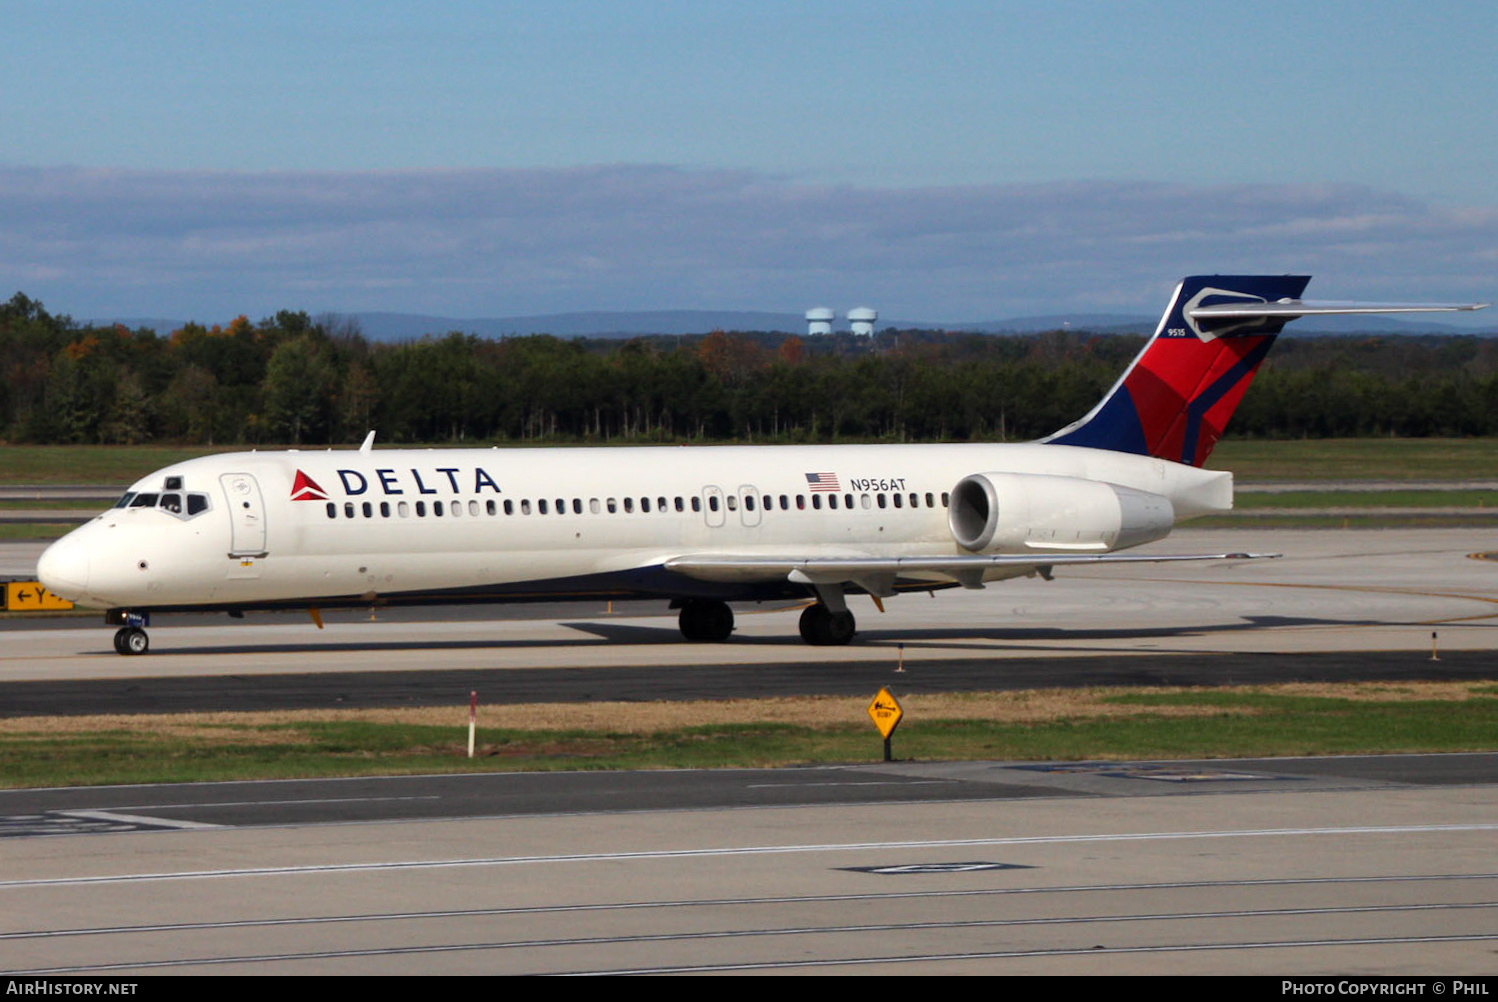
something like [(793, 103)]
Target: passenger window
[(697, 503), (946, 499), (880, 497), (455, 509), (525, 506), (612, 505), (421, 509), (678, 503), (490, 507), (831, 500), (402, 509), (368, 510), (660, 504), (577, 506), (629, 505), (848, 500), (712, 502), (437, 508), (930, 501), (733, 503), (816, 500), (348, 509), (864, 499), (540, 506), (645, 505), (748, 502), (332, 510), (898, 500), (800, 502), (593, 505), (509, 507), (473, 508), (384, 509)]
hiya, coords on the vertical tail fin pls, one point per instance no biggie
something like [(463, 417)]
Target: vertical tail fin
[(1176, 397)]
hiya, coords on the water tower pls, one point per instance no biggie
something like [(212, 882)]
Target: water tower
[(819, 320), (862, 319)]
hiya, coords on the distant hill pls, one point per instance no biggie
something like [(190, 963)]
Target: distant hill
[(378, 326)]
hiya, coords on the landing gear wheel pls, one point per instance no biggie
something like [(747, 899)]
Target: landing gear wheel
[(131, 640), (706, 620), (821, 627)]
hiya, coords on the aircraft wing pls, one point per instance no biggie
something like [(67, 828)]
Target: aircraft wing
[(878, 574)]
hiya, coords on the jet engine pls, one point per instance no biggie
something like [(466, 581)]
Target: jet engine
[(1025, 512)]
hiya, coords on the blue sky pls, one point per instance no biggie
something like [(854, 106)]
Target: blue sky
[(942, 161)]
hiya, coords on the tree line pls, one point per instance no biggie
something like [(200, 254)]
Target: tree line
[(292, 379)]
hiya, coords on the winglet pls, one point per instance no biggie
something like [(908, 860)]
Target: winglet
[(368, 443)]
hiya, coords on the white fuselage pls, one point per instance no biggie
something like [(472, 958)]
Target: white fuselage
[(403, 524)]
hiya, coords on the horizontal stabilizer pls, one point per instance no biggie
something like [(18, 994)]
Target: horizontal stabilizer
[(1289, 309)]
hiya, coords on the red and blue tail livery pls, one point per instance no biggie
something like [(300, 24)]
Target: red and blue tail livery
[(1176, 397)]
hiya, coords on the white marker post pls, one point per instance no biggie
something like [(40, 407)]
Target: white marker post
[(473, 718)]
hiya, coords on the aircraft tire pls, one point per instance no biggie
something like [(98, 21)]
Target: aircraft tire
[(823, 628), (132, 640), (706, 620)]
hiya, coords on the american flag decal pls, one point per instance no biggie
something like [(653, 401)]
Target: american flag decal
[(822, 481)]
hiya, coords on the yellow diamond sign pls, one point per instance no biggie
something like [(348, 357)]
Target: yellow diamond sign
[(886, 713)]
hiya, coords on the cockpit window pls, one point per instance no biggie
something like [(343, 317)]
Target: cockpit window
[(124, 502), (196, 504), (172, 503), (144, 501)]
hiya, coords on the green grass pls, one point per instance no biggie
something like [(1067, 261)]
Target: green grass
[(1367, 499), (21, 532), (1204, 723), (1358, 458)]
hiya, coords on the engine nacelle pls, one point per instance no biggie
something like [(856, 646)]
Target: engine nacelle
[(1026, 512)]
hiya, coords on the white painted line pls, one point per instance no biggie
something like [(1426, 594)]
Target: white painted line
[(133, 819)]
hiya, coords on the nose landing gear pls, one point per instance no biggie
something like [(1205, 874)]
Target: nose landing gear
[(131, 640), (131, 637)]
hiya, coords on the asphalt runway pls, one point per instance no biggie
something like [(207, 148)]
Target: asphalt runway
[(1299, 866)]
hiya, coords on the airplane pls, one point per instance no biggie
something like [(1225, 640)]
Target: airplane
[(698, 526)]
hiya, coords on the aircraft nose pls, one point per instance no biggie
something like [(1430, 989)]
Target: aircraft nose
[(63, 568)]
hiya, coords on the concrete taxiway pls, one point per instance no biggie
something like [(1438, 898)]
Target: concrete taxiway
[(1362, 866), (1332, 591)]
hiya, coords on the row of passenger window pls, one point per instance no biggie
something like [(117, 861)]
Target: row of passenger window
[(595, 506)]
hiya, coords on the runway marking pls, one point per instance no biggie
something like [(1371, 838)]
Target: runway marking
[(679, 937), (134, 819), (431, 864), (683, 903), (892, 782)]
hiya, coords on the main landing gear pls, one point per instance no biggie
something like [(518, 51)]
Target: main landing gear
[(706, 619), (131, 640), (821, 627)]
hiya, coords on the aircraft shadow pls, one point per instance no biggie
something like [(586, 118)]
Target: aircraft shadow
[(602, 633)]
